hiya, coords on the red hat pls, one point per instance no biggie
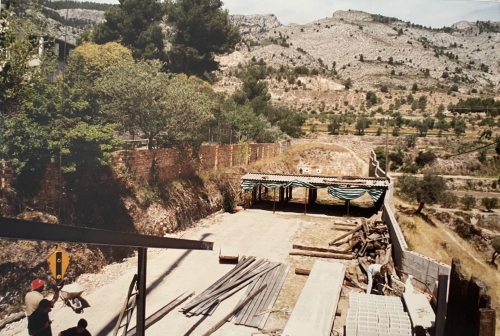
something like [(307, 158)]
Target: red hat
[(37, 283)]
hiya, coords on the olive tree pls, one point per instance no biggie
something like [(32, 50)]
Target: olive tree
[(426, 190)]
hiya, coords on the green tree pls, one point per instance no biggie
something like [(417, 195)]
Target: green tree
[(202, 29), (143, 100), (459, 127), (371, 97), (334, 125), (425, 158), (396, 131), (362, 123), (427, 190), (468, 201), (136, 25), (489, 203), (495, 243), (380, 155), (21, 66), (348, 83), (449, 200)]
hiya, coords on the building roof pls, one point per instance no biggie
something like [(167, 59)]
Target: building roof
[(344, 181)]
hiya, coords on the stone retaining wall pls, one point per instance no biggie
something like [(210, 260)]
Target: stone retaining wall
[(418, 265)]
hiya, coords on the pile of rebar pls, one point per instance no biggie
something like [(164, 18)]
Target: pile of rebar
[(250, 273)]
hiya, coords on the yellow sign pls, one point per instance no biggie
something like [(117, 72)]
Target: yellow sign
[(58, 263)]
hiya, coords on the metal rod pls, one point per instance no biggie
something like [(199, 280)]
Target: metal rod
[(141, 295), (386, 145), (274, 201), (305, 201), (27, 230)]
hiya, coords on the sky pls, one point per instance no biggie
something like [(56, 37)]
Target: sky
[(434, 13)]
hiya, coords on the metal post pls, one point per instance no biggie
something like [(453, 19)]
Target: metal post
[(305, 201), (348, 204), (274, 200), (141, 286), (441, 304), (386, 146)]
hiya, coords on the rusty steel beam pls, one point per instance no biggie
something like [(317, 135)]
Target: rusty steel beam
[(27, 230)]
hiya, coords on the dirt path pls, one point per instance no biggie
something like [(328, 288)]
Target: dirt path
[(172, 272)]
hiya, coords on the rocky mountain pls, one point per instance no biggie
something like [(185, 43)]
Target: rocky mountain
[(253, 25), (373, 51), (394, 53), (93, 15)]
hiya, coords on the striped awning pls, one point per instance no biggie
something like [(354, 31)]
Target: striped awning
[(347, 194)]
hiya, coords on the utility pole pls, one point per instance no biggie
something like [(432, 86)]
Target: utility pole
[(386, 145)]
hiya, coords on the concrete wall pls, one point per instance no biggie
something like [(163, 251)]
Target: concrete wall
[(418, 265)]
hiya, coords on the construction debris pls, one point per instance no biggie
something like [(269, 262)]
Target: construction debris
[(264, 276), (369, 238)]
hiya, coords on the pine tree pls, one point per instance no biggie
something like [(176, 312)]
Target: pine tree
[(202, 29), (136, 24)]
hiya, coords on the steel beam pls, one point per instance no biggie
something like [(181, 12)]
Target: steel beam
[(141, 286), (27, 230)]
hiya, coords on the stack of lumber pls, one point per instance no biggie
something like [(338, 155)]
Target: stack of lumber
[(365, 237), (250, 273)]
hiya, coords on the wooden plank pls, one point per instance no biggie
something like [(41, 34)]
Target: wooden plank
[(302, 271), (365, 226), (229, 286), (322, 255), (238, 307), (259, 313), (248, 306), (162, 312), (318, 249), (228, 253), (314, 312), (274, 297), (356, 229), (250, 288), (257, 301), (218, 283)]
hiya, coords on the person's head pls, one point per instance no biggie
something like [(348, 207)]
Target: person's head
[(44, 306), (383, 269), (81, 326), (37, 285)]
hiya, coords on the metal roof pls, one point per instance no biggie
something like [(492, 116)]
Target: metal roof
[(345, 181)]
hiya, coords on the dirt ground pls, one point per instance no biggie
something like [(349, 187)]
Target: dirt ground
[(172, 272)]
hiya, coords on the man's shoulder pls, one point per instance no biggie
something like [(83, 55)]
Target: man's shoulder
[(69, 332), (34, 295)]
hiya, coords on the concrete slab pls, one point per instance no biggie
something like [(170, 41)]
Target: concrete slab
[(420, 310), (314, 312)]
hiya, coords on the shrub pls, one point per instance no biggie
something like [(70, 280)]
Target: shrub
[(468, 201), (384, 89), (395, 131), (449, 200), (425, 158), (379, 131), (490, 203)]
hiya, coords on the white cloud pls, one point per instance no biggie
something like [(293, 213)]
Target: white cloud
[(436, 13)]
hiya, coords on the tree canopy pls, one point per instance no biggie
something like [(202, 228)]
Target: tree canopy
[(427, 190), (202, 29), (144, 100), (136, 25)]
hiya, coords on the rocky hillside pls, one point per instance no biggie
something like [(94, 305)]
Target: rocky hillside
[(92, 15), (394, 53)]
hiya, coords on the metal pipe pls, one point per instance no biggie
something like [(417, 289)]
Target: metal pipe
[(27, 230), (141, 286)]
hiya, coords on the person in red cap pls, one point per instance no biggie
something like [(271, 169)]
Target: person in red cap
[(33, 298)]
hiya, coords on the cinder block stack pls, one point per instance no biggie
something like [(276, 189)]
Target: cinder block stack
[(374, 315)]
